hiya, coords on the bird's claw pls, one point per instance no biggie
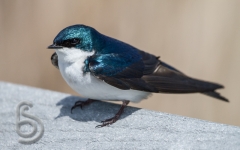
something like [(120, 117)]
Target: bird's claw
[(108, 122), (76, 105), (81, 104)]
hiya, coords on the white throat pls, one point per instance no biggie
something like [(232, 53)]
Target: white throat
[(71, 55)]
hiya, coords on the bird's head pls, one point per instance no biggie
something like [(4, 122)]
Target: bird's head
[(76, 37)]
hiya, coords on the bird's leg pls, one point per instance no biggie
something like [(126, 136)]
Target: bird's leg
[(115, 118), (82, 103)]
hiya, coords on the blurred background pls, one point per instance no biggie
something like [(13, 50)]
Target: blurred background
[(199, 37)]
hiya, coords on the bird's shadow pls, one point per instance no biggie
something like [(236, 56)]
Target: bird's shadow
[(97, 111)]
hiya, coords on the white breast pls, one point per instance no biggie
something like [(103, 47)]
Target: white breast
[(71, 63)]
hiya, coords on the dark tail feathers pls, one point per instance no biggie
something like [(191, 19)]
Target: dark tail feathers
[(215, 95)]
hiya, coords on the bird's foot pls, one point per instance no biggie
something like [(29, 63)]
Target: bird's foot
[(115, 118), (108, 121), (82, 103)]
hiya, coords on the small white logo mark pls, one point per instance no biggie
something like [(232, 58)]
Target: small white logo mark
[(27, 138)]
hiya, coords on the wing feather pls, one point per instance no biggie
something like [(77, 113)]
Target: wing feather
[(155, 76)]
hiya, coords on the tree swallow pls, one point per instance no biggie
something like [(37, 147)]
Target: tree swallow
[(103, 68)]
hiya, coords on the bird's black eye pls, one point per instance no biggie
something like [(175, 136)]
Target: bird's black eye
[(75, 41), (70, 42)]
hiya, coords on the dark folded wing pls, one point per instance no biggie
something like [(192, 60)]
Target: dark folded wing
[(121, 71), (54, 60), (155, 76), (167, 79), (171, 81)]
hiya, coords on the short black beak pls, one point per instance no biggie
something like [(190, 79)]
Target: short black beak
[(54, 46)]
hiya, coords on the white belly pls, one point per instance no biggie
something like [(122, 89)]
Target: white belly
[(91, 87)]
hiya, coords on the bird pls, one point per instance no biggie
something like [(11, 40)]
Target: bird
[(100, 67)]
